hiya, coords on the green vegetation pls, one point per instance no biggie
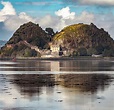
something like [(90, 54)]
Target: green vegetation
[(84, 40), (107, 53), (30, 53), (82, 52), (77, 40), (91, 51), (30, 32)]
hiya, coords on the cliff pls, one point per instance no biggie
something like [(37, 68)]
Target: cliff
[(28, 33), (74, 40), (82, 39)]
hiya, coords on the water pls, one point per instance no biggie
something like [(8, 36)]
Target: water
[(57, 85)]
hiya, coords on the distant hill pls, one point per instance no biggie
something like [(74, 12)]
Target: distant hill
[(74, 40), (2, 43), (82, 39), (30, 32)]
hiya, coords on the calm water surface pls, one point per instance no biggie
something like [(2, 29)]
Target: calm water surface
[(57, 85)]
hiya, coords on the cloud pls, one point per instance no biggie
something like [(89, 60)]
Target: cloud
[(106, 3), (65, 13), (67, 18), (46, 21), (106, 22), (4, 34), (10, 19), (98, 2), (13, 22), (8, 10), (59, 21), (101, 21), (40, 3), (23, 16), (33, 3), (85, 17)]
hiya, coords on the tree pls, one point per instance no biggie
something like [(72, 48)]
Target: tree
[(82, 52), (108, 53), (91, 51), (30, 53), (99, 49), (75, 53), (50, 31)]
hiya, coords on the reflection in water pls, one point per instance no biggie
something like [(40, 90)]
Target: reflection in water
[(61, 65), (32, 84), (86, 65), (87, 82), (54, 66), (54, 91), (57, 85)]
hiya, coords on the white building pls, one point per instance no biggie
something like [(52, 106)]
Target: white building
[(55, 49)]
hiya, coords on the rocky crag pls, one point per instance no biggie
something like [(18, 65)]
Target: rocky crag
[(74, 40)]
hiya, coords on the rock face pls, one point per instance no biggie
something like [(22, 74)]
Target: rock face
[(32, 34), (83, 39), (74, 40)]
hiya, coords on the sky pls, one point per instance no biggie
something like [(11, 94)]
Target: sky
[(56, 14)]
